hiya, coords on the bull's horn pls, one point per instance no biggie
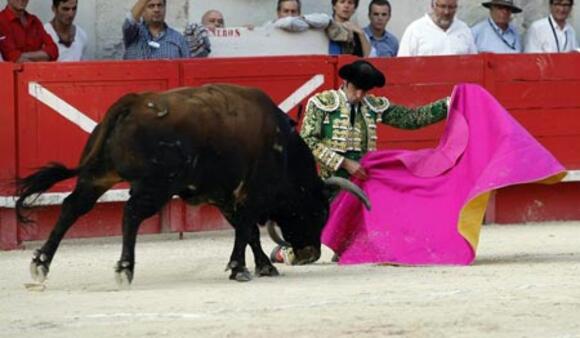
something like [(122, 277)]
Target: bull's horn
[(347, 185), (271, 226)]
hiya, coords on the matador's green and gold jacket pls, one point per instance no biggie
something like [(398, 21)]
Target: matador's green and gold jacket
[(328, 131)]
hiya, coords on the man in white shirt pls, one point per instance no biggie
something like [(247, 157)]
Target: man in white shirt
[(553, 34), (438, 33), (71, 40)]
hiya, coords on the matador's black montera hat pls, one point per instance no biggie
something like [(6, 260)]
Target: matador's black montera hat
[(362, 74)]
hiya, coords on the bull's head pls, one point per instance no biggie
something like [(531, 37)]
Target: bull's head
[(302, 232)]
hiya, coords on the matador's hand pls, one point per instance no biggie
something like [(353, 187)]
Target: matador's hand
[(354, 169)]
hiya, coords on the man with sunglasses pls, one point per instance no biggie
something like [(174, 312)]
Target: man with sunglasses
[(496, 34), (438, 33), (553, 34), (384, 44)]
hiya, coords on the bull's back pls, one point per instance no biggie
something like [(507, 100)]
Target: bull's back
[(230, 121)]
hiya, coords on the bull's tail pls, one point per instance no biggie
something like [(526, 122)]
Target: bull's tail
[(39, 182), (47, 176)]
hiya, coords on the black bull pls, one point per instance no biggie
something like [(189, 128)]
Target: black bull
[(225, 145)]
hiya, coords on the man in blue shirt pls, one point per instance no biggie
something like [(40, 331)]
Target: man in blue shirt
[(147, 36), (496, 34), (383, 43)]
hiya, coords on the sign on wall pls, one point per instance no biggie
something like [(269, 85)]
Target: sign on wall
[(266, 41)]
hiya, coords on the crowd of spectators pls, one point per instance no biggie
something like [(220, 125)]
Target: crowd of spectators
[(146, 35)]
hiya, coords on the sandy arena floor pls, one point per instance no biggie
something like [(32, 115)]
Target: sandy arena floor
[(525, 283)]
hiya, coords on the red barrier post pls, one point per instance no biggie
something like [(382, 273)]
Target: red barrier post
[(8, 225)]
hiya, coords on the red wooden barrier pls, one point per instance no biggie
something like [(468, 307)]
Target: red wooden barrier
[(8, 224), (49, 130), (53, 106), (541, 92)]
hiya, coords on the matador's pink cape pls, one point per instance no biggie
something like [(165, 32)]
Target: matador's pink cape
[(428, 205)]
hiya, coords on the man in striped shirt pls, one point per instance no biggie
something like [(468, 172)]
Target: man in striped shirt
[(147, 36)]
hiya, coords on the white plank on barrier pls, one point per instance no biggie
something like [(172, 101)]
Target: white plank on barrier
[(121, 195), (56, 198), (573, 176)]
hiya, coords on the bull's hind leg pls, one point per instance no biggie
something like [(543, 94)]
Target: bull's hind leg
[(78, 203), (147, 198), (263, 265)]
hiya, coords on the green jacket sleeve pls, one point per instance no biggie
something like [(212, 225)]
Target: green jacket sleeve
[(414, 118)]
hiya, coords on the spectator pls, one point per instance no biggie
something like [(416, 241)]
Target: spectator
[(346, 37), (71, 39), (288, 8), (197, 35), (290, 18), (496, 34), (438, 33), (553, 34), (213, 19), (25, 40), (383, 43), (147, 36)]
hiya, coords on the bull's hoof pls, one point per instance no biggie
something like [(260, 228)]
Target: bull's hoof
[(124, 274), (239, 272), (335, 258), (241, 276), (266, 271), (39, 266)]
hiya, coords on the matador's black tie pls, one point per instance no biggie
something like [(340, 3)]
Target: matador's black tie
[(352, 114)]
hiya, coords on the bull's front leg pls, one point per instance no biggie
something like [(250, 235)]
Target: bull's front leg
[(237, 263)]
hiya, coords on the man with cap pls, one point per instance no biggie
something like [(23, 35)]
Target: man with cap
[(340, 125), (496, 34)]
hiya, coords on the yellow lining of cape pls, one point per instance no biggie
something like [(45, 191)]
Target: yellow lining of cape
[(471, 216)]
